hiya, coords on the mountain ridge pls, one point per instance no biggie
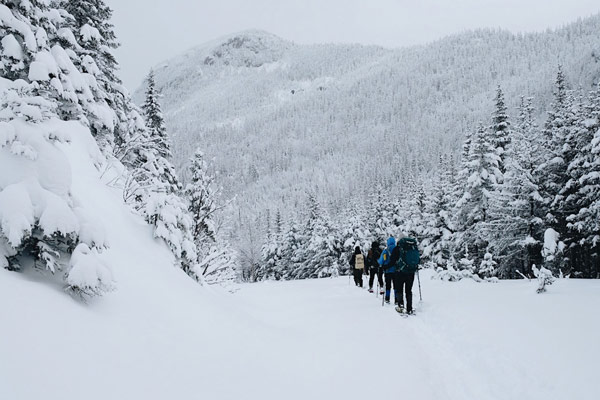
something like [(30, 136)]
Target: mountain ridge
[(332, 119)]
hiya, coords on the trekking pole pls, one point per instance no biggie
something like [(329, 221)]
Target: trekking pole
[(419, 280), (383, 297)]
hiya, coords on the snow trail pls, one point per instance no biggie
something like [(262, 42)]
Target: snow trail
[(468, 340), (318, 339)]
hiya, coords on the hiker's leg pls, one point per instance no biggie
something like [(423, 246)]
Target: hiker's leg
[(410, 279)]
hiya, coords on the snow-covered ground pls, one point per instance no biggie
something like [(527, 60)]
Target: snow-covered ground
[(163, 336)]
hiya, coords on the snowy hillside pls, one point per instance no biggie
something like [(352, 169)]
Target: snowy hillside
[(276, 115), (318, 339)]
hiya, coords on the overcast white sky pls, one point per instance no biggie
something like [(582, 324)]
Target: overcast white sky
[(151, 31)]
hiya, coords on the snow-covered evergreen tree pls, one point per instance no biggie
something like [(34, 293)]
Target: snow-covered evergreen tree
[(96, 35), (271, 252), (583, 190), (202, 196), (96, 41), (558, 127), (439, 230), (42, 83), (153, 187), (353, 232), (515, 226), (318, 254), (473, 207), (169, 215), (157, 135), (501, 135), (380, 215), (487, 269), (292, 247)]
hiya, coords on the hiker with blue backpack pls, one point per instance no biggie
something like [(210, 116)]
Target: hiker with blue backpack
[(408, 258), (388, 263)]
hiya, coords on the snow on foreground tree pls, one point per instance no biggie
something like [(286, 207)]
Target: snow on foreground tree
[(153, 188), (41, 82), (59, 96), (183, 219), (216, 259)]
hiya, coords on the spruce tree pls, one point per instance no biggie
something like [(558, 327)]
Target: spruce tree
[(272, 252), (439, 230), (96, 35), (500, 128), (155, 122), (43, 79), (515, 224), (202, 198), (153, 186), (553, 171), (319, 251), (583, 187), (292, 251), (473, 207), (157, 138)]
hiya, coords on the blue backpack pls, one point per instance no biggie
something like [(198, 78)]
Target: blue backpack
[(410, 257)]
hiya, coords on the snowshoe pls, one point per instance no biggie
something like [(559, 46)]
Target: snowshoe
[(370, 290), (401, 311)]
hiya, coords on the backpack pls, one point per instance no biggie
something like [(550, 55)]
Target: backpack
[(409, 259), (372, 257), (359, 262)]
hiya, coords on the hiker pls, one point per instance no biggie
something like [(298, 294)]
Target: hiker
[(357, 261), (407, 265), (373, 266), (388, 263)]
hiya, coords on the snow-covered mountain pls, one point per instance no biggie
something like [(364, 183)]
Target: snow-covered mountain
[(281, 118)]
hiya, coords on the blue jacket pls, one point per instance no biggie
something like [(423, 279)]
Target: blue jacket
[(386, 255)]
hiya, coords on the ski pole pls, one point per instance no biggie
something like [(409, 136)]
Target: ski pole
[(383, 296), (419, 280)]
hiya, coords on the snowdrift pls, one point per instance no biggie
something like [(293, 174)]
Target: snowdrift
[(157, 335)]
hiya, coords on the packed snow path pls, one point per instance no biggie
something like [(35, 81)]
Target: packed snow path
[(468, 341), (318, 339)]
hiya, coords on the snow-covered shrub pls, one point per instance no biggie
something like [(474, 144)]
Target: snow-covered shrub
[(452, 275), (89, 275), (40, 222), (544, 277), (466, 263), (218, 266), (487, 269), (168, 213), (552, 245)]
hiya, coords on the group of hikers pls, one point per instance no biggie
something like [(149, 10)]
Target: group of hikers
[(396, 264)]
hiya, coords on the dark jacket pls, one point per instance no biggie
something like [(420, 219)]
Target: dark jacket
[(372, 257)]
